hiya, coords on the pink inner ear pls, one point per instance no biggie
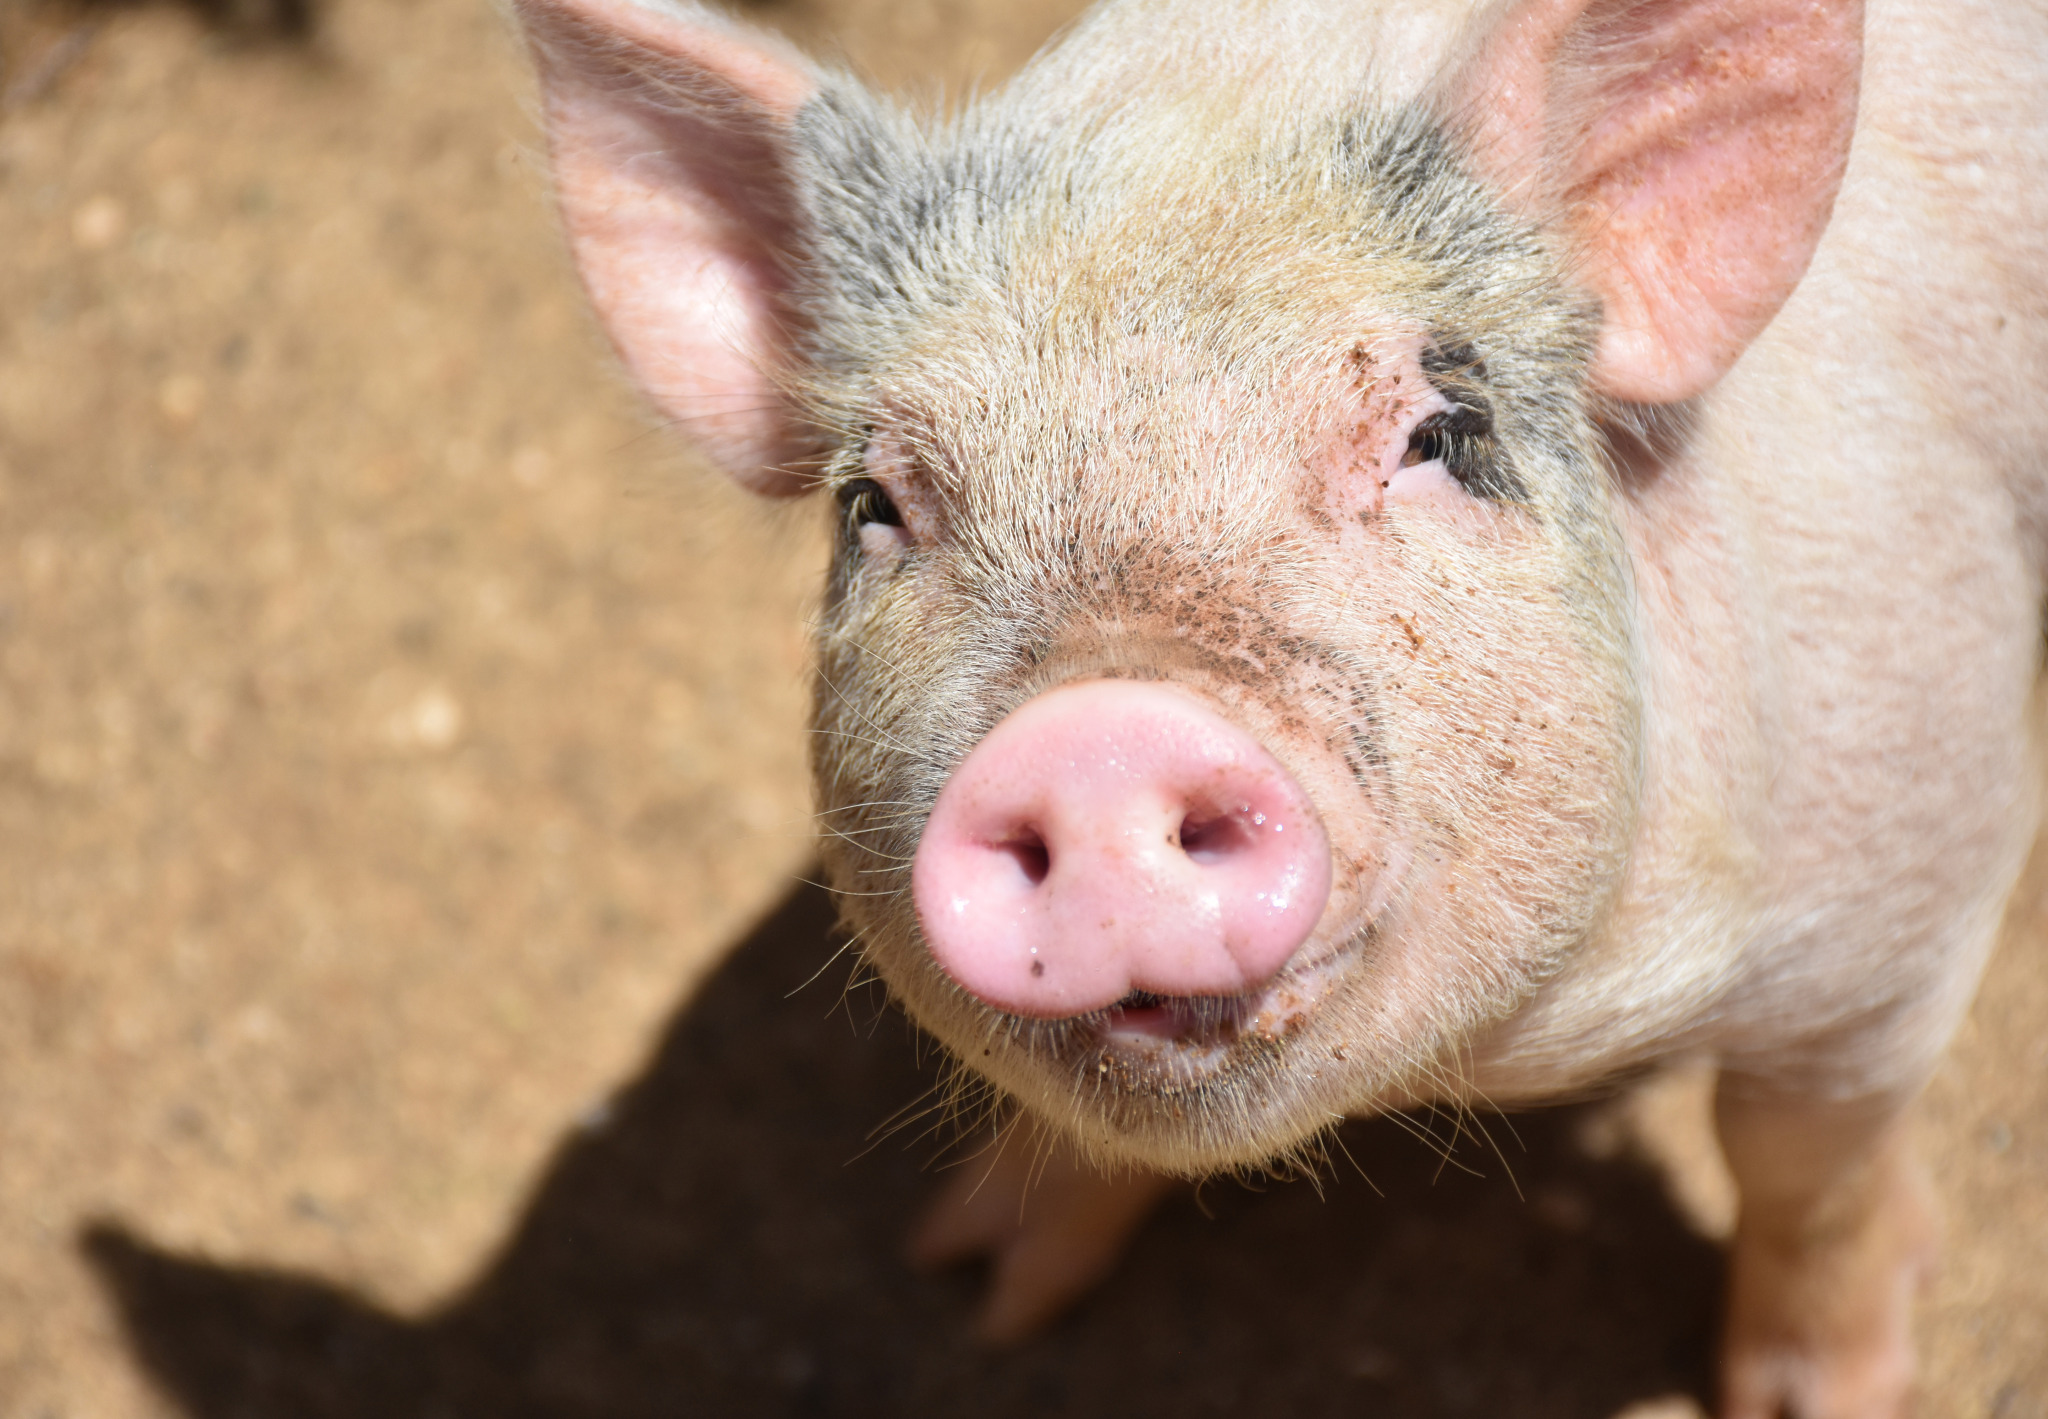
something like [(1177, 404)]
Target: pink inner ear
[(1694, 147), (670, 143), (691, 302)]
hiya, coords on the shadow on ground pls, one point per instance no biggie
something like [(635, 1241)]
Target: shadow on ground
[(251, 19), (721, 1244)]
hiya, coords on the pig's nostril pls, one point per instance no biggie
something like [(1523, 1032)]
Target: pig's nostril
[(1210, 839), (1028, 850)]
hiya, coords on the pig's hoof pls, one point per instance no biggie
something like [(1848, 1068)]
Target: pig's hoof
[(1824, 1330), (1051, 1227)]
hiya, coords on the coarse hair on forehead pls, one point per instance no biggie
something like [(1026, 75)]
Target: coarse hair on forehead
[(1126, 266), (1146, 221)]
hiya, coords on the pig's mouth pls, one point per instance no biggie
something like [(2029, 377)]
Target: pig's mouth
[(1142, 1016), (1147, 1038)]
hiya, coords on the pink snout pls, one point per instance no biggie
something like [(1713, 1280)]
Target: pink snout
[(1116, 836)]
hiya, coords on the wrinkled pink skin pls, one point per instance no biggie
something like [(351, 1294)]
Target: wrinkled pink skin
[(1767, 798)]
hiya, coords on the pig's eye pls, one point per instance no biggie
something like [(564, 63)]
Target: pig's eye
[(1458, 437), (1462, 436), (1462, 439), (1425, 445), (864, 501)]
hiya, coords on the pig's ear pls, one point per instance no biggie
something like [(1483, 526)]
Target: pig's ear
[(1692, 149), (670, 132)]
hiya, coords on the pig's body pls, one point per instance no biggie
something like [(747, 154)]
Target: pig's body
[(1841, 586), (1261, 677)]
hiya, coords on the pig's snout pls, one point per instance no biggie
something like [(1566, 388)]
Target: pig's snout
[(1112, 837)]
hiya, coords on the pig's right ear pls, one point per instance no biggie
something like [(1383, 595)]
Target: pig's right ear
[(671, 134)]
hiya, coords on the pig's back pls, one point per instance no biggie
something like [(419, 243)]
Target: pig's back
[(1936, 263)]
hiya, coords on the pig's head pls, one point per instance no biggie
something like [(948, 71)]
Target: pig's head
[(1229, 686)]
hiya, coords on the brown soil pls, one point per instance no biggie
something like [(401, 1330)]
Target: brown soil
[(400, 751)]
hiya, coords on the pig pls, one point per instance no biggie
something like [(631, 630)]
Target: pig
[(1391, 553)]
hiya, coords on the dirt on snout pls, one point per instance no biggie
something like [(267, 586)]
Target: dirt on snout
[(402, 952)]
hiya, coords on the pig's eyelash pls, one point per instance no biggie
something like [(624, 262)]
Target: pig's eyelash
[(1448, 436), (864, 501), (1425, 443)]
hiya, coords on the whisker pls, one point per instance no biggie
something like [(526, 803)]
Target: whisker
[(862, 715), (851, 943), (1001, 1141), (1337, 1137), (856, 807), (853, 738), (873, 851)]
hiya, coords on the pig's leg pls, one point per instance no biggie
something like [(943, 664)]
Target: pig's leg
[(1052, 1226), (1837, 1229)]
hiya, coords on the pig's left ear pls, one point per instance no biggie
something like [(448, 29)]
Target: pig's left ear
[(670, 130), (1692, 149)]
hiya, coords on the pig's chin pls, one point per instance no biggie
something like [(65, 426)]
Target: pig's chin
[(1186, 1084)]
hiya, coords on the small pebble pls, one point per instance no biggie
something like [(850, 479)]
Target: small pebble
[(99, 223), (180, 398), (432, 721)]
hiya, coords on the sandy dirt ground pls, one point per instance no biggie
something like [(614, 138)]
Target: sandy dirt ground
[(401, 824)]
